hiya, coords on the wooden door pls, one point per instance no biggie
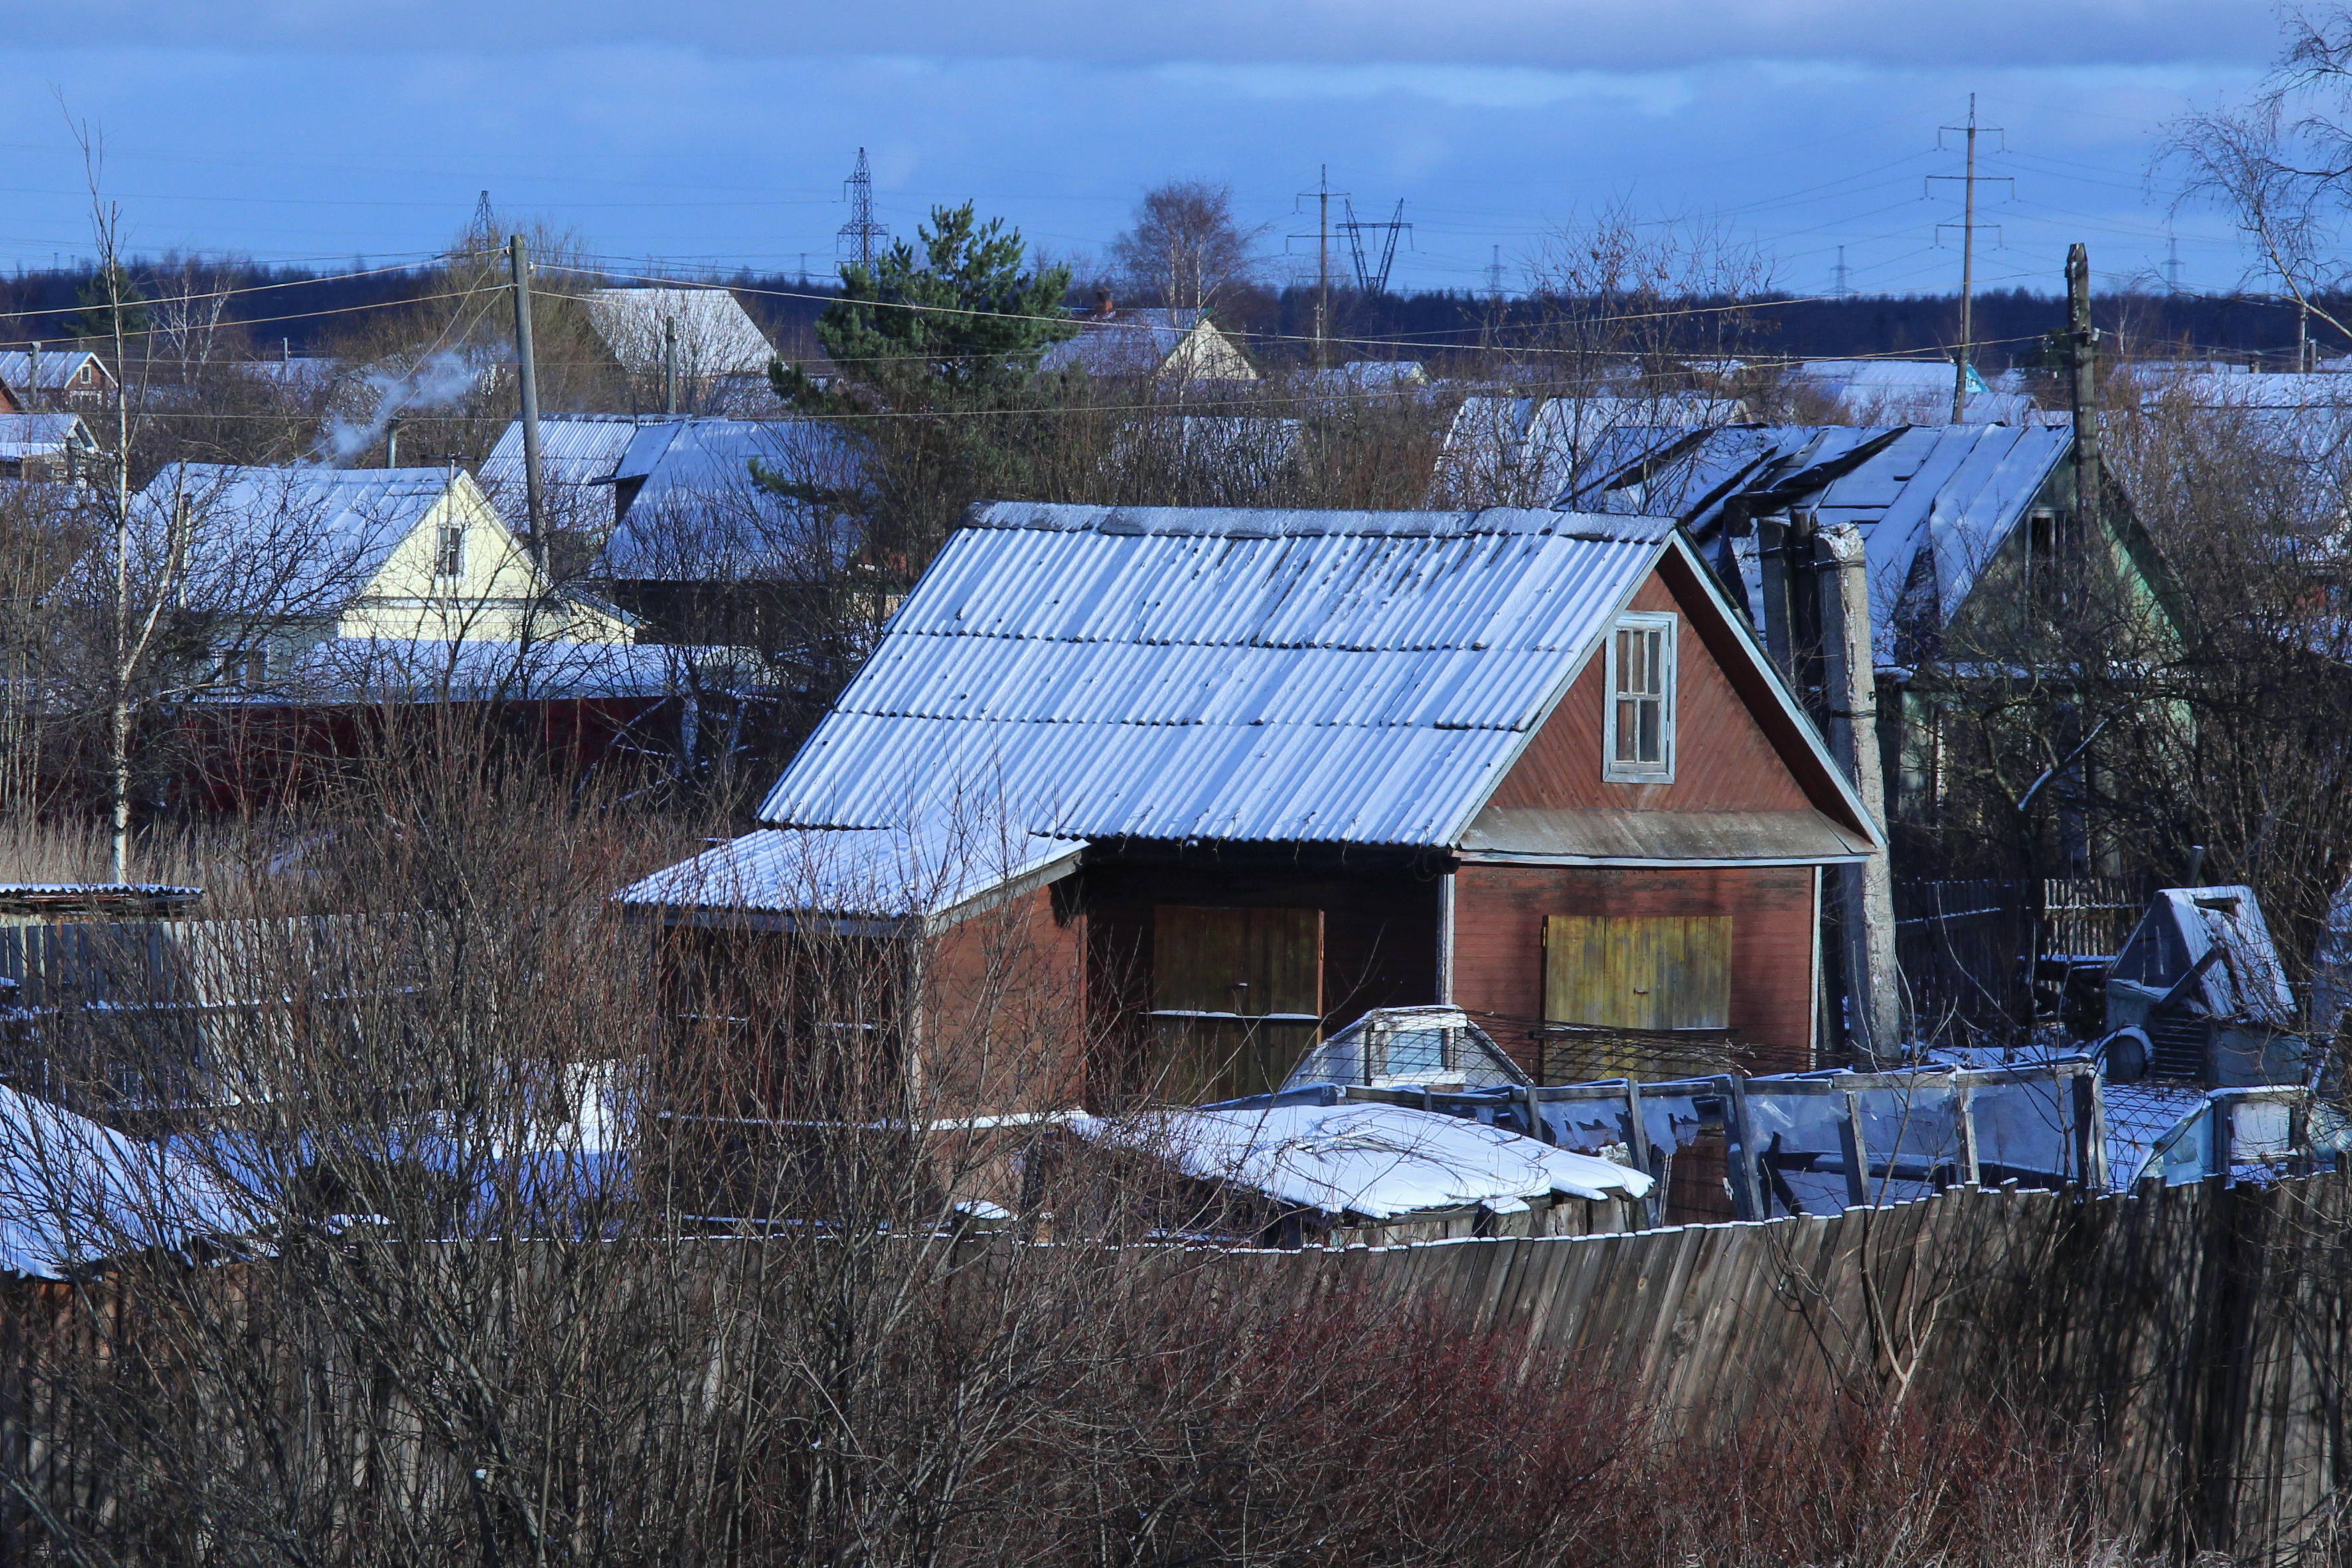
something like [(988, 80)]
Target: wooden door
[(1656, 974), (1236, 997)]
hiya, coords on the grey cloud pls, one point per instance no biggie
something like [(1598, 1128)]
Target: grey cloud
[(1609, 34)]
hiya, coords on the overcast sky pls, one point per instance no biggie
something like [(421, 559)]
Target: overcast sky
[(718, 131)]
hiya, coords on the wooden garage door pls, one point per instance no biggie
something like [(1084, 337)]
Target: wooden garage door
[(1236, 997), (1649, 972)]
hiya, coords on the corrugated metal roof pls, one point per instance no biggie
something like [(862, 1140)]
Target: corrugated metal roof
[(883, 874), (1955, 493), (1171, 673), (698, 515), (310, 537)]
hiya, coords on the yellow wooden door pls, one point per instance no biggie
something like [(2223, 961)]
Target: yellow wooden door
[(1653, 973), (1236, 997)]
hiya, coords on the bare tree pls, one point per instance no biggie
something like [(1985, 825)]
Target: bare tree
[(1186, 248)]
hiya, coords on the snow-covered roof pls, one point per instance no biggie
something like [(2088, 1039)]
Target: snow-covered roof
[(302, 536), (715, 335), (73, 1193), (54, 372), (1891, 392), (1948, 496), (2182, 924), (872, 873), (1538, 450), (1132, 342), (1162, 672), (1372, 1162), (41, 434), (400, 669), (699, 515)]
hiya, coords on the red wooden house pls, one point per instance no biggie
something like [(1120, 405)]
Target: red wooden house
[(1221, 781)]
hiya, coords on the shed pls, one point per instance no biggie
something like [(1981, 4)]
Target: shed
[(2201, 980), (1303, 765)]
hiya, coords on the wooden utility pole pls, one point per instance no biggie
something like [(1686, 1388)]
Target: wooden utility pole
[(518, 262), (2081, 359), (1867, 891), (1322, 192)]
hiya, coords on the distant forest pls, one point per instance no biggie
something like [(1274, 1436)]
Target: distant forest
[(290, 310)]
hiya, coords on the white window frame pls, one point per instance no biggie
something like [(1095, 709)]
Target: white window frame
[(1663, 770), (449, 546)]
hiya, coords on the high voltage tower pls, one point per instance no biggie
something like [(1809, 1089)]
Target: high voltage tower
[(860, 233), (1967, 228), (1371, 279), (1841, 288)]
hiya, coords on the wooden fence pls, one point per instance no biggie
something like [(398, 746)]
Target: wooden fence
[(2201, 1336)]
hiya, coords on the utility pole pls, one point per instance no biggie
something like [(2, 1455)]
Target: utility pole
[(1867, 891), (33, 380), (519, 261), (1322, 194), (669, 365), (1967, 226), (2082, 355), (861, 230), (1968, 276)]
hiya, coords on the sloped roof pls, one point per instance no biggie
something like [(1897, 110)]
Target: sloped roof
[(1886, 390), (1170, 673), (1133, 343), (1540, 448), (699, 515), (57, 368), (1943, 497), (306, 532), (43, 434), (716, 336), (928, 870)]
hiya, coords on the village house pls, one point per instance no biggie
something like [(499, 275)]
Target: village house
[(276, 561), (667, 517), (1182, 347), (48, 447), (683, 350), (1225, 780), (1959, 524), (58, 378)]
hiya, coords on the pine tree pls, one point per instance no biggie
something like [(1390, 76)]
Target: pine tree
[(109, 291)]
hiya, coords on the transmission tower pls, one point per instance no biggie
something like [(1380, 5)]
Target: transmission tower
[(1370, 279), (1495, 277), (2172, 264), (486, 224), (1839, 288), (860, 233)]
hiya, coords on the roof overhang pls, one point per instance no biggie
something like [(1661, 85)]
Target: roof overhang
[(1624, 837)]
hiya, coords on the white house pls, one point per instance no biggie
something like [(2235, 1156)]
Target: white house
[(276, 561)]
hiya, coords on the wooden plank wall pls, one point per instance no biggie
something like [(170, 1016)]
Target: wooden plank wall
[(2200, 1337)]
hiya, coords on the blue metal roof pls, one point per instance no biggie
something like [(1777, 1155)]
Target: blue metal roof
[(1952, 494), (1099, 672)]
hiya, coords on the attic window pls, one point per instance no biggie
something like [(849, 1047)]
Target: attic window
[(449, 551), (1638, 740), (2043, 534)]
